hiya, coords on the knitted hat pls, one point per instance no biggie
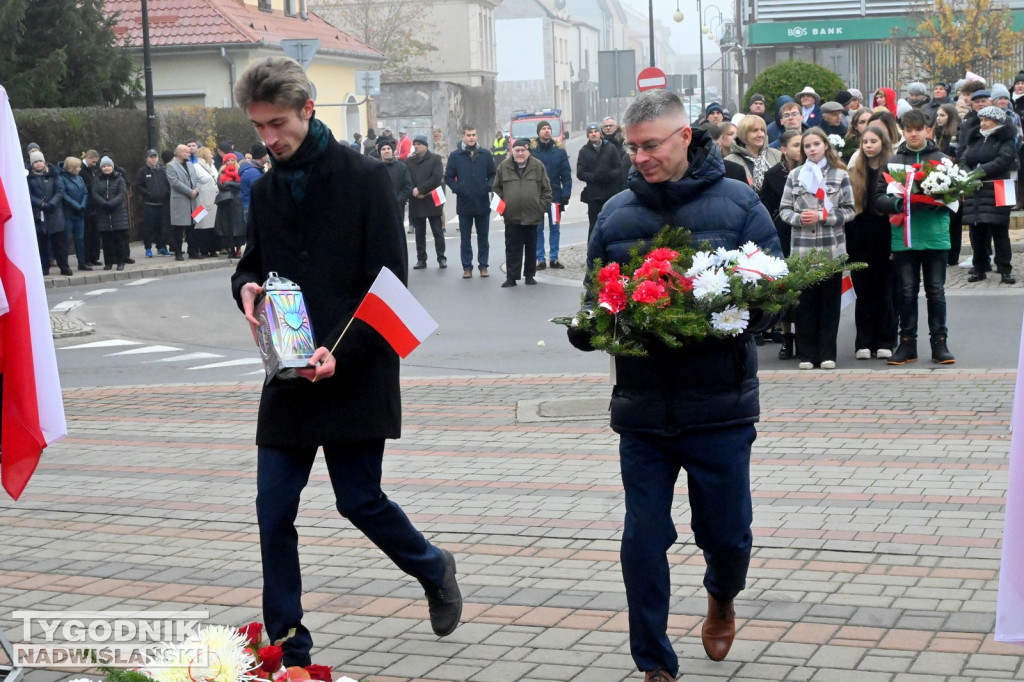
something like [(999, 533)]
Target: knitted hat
[(420, 139), (230, 156), (1019, 78), (36, 155), (856, 93), (756, 97), (997, 114), (541, 124), (999, 90), (917, 89), (593, 126), (521, 142), (945, 86), (106, 161), (387, 143), (259, 150), (713, 107), (30, 146), (843, 97)]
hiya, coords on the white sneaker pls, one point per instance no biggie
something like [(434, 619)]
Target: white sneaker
[(806, 365), (828, 364), (863, 354), (883, 353)]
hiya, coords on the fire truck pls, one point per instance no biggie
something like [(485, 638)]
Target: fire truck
[(524, 124)]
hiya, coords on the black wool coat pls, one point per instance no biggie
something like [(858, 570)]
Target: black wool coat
[(110, 197), (997, 156), (601, 169), (427, 174), (332, 244), (47, 193)]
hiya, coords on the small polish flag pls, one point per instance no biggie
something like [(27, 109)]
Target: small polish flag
[(848, 295), (438, 196), (497, 204), (556, 214), (395, 313), (1006, 192), (200, 213)]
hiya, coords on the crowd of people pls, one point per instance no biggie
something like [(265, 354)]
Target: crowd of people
[(194, 199)]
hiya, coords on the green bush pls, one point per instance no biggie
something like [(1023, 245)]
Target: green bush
[(789, 78)]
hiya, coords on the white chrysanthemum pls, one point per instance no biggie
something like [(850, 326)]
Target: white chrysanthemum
[(749, 248), (710, 283), (725, 256), (836, 141), (753, 267), (732, 320), (702, 260), (217, 654), (776, 268)]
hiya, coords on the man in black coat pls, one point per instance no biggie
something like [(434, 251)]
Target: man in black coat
[(427, 175), (599, 165), (470, 174), (319, 217), (401, 181), (151, 183), (692, 408)]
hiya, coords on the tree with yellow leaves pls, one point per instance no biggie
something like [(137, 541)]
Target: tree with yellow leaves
[(955, 36)]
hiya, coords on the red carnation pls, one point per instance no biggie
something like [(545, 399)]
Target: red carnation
[(319, 672), (919, 176), (662, 254), (916, 166), (935, 162), (613, 297), (684, 283), (653, 269), (650, 292), (609, 273), (270, 658), (253, 633)]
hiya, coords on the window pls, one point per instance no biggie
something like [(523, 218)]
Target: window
[(289, 8), (265, 5)]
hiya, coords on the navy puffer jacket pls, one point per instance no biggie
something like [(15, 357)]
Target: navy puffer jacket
[(703, 385)]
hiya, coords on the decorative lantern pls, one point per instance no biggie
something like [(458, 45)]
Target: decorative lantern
[(285, 335)]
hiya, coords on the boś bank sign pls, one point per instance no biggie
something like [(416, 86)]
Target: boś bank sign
[(836, 30)]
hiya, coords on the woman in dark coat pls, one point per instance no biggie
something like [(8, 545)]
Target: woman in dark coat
[(76, 200), (990, 149), (230, 223), (47, 193), (109, 196)]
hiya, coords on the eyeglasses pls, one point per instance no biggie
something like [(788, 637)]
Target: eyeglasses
[(650, 147)]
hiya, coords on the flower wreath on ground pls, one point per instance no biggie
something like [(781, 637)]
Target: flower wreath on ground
[(217, 653), (672, 293)]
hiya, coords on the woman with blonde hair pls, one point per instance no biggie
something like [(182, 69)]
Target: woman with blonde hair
[(204, 235), (818, 226), (750, 149)]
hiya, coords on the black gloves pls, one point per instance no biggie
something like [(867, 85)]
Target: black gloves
[(579, 338)]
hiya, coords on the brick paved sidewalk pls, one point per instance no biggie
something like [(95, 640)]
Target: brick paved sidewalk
[(878, 516)]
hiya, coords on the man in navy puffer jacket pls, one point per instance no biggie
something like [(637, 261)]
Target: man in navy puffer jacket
[(692, 408)]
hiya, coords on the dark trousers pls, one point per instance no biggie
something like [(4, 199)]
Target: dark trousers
[(593, 210), (74, 233), (115, 247), (986, 237), (717, 465), (420, 226), (355, 470), (92, 239), (874, 314), (520, 239), (177, 237), (55, 245), (153, 226), (956, 235), (483, 246), (193, 247), (912, 265), (817, 320)]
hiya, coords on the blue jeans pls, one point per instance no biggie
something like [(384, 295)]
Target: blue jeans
[(717, 465), (553, 229), (911, 265), (483, 246), (74, 233), (355, 470)]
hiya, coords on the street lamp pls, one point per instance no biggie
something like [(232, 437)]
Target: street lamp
[(650, 25)]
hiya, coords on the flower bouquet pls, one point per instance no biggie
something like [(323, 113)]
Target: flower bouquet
[(933, 183), (837, 143), (672, 293)]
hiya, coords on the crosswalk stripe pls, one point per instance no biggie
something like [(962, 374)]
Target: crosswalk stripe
[(144, 350), (65, 306), (187, 356), (99, 292), (231, 363), (109, 343), (139, 282)]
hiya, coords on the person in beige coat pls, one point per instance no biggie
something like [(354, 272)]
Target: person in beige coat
[(522, 183)]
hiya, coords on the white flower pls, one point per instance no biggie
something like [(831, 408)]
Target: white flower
[(836, 141), (753, 267), (725, 257), (731, 321), (702, 260), (749, 248), (216, 654), (777, 267), (710, 283)]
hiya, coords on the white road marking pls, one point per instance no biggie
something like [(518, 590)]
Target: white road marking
[(110, 343), (231, 363), (139, 282), (186, 356), (99, 292), (65, 306), (145, 349)]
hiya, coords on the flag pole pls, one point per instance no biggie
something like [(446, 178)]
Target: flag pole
[(342, 335)]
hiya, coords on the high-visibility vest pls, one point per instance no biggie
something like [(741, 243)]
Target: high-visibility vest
[(500, 147)]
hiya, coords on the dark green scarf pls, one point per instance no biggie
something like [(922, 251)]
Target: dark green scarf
[(295, 172)]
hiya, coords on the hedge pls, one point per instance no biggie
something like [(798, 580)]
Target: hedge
[(789, 78)]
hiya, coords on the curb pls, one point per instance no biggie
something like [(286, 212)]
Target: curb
[(139, 272)]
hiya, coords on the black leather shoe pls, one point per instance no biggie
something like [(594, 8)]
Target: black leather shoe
[(530, 281), (508, 283), (179, 257), (555, 265), (108, 267), (129, 261), (541, 265), (442, 262), (95, 262), (1007, 278), (67, 272), (120, 267), (84, 268), (420, 264), (975, 276), (445, 602)]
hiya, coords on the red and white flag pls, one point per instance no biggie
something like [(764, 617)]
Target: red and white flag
[(556, 214), (33, 410), (200, 213), (1010, 602), (1006, 192), (849, 295), (812, 180), (395, 313), (438, 196), (497, 204)]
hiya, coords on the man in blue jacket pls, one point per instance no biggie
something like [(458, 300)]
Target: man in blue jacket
[(469, 174), (692, 408), (550, 152)]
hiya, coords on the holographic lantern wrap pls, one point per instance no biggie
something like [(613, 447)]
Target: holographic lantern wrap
[(285, 335)]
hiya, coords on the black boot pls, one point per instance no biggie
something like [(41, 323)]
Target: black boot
[(940, 351), (907, 352), (786, 352)]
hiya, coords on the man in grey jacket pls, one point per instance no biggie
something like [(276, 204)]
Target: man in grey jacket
[(181, 175)]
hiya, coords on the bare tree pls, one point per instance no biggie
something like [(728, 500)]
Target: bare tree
[(392, 27), (951, 37)]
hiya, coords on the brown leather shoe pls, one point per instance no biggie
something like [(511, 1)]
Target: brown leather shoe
[(658, 676), (719, 629), (484, 273)]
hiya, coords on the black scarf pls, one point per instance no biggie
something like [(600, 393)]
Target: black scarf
[(294, 173)]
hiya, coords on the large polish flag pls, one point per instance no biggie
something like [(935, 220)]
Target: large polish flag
[(1010, 603), (33, 410), (395, 313)]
